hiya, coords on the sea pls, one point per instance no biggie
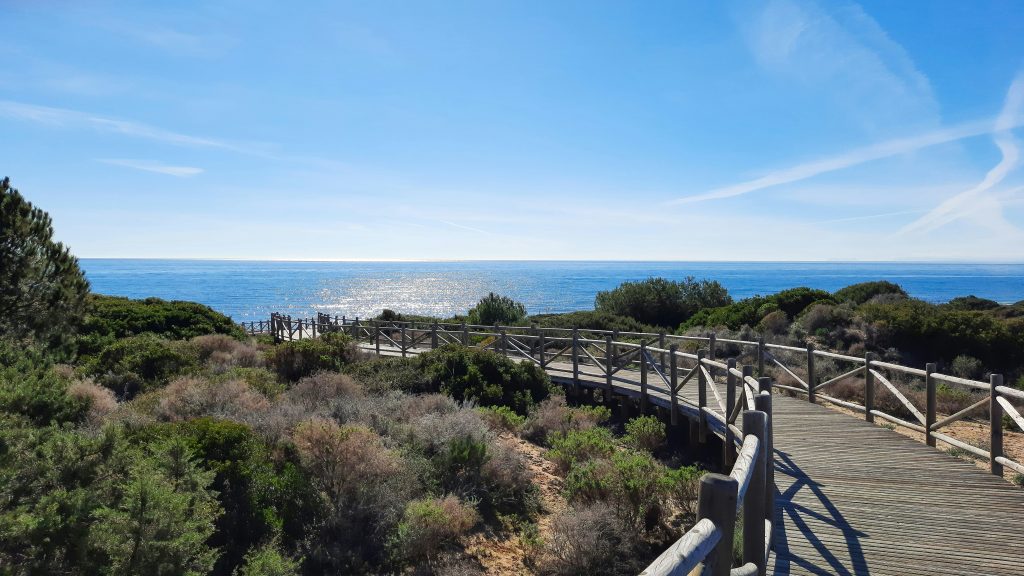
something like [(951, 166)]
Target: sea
[(251, 290)]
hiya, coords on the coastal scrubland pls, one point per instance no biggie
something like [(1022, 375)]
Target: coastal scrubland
[(155, 437)]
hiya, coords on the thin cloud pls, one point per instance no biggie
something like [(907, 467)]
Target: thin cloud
[(150, 166), (879, 151), (972, 199), (871, 216), (65, 118)]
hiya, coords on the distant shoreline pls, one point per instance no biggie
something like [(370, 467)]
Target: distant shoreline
[(250, 290)]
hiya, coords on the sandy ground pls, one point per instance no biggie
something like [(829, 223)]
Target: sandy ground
[(505, 554)]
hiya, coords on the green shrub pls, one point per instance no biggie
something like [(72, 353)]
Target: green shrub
[(591, 320), (48, 495), (682, 485), (966, 366), (864, 291), (259, 379), (495, 309), (430, 524), (31, 388), (662, 302), (485, 377), (578, 446), (141, 362), (384, 374), (645, 433), (300, 358), (111, 317), (502, 418), (638, 488), (254, 494), (972, 303), (268, 560), (590, 481)]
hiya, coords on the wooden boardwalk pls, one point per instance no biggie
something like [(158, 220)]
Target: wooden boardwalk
[(856, 498), (851, 497)]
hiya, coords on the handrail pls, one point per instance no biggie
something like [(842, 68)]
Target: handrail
[(552, 348)]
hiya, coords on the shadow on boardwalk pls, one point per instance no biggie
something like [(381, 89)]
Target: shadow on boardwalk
[(833, 559)]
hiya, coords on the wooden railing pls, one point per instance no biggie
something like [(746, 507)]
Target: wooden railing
[(654, 368)]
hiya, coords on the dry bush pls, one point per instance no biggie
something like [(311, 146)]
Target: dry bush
[(102, 401), (414, 407), (449, 564), (65, 371), (508, 480), (430, 524), (590, 539), (554, 416), (191, 397), (435, 430), (323, 388), (222, 352), (364, 487), (774, 323)]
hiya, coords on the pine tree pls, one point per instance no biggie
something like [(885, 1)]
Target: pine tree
[(42, 289)]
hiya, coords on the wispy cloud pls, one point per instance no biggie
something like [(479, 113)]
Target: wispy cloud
[(973, 201), (151, 166), (464, 227), (855, 157), (840, 55), (74, 119), (871, 216)]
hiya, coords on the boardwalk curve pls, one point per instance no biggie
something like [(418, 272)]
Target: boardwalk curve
[(850, 497)]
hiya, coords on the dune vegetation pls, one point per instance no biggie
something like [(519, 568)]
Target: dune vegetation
[(155, 437)]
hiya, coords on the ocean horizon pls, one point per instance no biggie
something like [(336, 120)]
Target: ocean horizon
[(251, 289)]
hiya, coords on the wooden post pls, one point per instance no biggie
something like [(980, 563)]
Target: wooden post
[(533, 341), (403, 346), (541, 352), (748, 372), (810, 373), (995, 423), (357, 329), (869, 387), (643, 378), (504, 341), (929, 419), (673, 384), (576, 359), (730, 399), (763, 403), (755, 424), (465, 334), (376, 336), (609, 354), (702, 397), (712, 344), (764, 384), (661, 344), (716, 501), (433, 335), (760, 356)]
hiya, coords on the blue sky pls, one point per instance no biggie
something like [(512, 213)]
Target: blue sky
[(780, 130)]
